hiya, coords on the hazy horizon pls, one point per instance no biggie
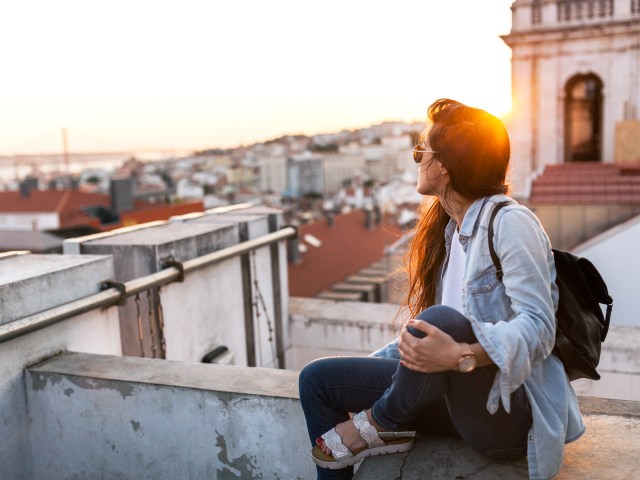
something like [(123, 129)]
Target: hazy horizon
[(132, 76)]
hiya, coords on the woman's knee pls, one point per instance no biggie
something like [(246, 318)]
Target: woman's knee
[(450, 321), (312, 375)]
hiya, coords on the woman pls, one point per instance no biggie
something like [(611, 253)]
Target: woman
[(484, 361)]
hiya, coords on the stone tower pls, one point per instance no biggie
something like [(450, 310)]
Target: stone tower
[(576, 84)]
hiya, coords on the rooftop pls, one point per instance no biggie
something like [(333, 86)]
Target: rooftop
[(346, 247), (73, 406)]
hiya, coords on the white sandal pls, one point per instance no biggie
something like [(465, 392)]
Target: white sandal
[(379, 443)]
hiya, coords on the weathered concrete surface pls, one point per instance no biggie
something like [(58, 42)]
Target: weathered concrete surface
[(274, 214), (95, 331), (216, 310), (608, 450), (249, 226), (32, 283), (619, 367), (325, 327), (221, 378), (129, 418), (140, 252), (227, 327)]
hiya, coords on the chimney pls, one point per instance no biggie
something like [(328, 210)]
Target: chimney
[(368, 218), (329, 216), (121, 190), (27, 185), (378, 213), (293, 250)]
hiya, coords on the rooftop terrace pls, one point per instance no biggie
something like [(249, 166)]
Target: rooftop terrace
[(73, 406)]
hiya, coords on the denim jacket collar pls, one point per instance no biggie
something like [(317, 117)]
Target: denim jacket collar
[(469, 222), (470, 219)]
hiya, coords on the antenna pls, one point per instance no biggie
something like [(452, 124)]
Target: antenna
[(65, 153)]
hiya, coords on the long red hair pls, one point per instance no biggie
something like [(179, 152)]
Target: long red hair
[(473, 146)]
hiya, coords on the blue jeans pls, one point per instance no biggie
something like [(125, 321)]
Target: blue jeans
[(401, 399)]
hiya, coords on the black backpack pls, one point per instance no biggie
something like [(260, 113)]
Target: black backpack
[(581, 326)]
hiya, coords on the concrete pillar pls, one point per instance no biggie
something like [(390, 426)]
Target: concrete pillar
[(150, 317), (30, 284)]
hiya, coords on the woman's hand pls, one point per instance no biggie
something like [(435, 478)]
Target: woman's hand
[(437, 352)]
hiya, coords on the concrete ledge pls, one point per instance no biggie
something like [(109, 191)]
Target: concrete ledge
[(607, 406), (32, 283), (97, 416), (319, 328), (220, 378), (608, 450)]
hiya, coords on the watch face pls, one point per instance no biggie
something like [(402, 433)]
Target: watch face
[(467, 364)]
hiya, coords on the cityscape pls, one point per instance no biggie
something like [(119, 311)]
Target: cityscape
[(308, 176), (157, 304)]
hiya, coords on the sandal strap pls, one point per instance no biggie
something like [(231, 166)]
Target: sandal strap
[(334, 442), (367, 431)]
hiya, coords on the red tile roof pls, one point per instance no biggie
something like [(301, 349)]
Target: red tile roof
[(347, 247), (69, 204), (42, 201)]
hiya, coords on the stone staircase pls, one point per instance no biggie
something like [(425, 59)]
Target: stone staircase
[(587, 183)]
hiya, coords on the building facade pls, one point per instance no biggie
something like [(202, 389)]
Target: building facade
[(338, 167), (576, 82), (305, 175)]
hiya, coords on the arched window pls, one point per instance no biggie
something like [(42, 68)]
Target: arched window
[(583, 119)]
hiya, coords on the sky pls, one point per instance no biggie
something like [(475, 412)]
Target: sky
[(163, 75)]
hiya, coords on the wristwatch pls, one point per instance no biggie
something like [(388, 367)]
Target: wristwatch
[(467, 361)]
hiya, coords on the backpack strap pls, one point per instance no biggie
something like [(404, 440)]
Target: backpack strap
[(492, 251)]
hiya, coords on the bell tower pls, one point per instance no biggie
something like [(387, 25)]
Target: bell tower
[(576, 84)]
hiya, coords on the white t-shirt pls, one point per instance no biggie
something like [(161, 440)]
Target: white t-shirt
[(453, 275)]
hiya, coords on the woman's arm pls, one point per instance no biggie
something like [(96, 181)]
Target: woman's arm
[(436, 352)]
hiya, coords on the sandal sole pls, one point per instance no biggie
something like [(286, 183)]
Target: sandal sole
[(399, 447)]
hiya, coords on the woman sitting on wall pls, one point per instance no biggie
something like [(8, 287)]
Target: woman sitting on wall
[(478, 350)]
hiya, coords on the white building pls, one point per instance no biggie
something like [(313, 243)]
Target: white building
[(576, 79), (338, 167), (273, 173), (304, 175)]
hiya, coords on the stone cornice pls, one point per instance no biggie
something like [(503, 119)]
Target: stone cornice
[(572, 32)]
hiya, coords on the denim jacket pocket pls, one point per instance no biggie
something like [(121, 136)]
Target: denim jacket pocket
[(488, 297)]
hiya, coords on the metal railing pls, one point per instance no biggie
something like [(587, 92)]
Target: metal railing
[(113, 295)]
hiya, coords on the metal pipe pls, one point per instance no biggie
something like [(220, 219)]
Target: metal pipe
[(48, 317), (109, 296)]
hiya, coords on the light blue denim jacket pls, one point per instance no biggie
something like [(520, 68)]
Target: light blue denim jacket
[(514, 321)]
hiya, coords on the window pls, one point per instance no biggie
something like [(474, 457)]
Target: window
[(570, 10), (583, 119), (536, 12)]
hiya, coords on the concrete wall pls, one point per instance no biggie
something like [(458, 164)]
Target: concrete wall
[(48, 281), (29, 221), (571, 225), (131, 418), (141, 252), (219, 305), (320, 328), (616, 255), (619, 367)]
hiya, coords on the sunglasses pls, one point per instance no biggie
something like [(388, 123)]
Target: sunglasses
[(418, 151)]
